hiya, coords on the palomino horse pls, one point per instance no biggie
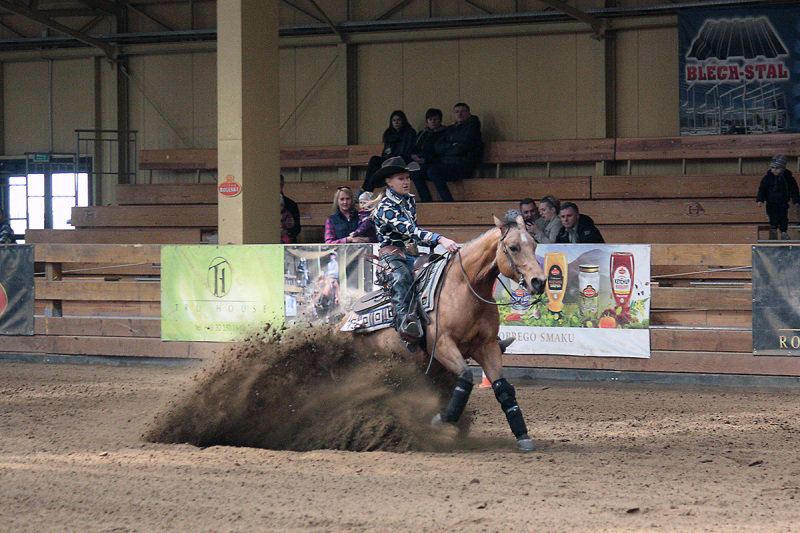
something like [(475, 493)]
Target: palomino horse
[(465, 322)]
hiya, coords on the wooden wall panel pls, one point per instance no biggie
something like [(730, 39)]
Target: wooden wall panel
[(430, 80), (495, 103), (627, 84), (204, 100), (589, 94), (166, 88), (73, 101), (380, 88), (319, 117), (25, 87), (287, 82), (658, 82), (547, 87), (647, 82)]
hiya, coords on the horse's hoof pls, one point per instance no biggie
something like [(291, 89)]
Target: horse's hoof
[(525, 443), (437, 421)]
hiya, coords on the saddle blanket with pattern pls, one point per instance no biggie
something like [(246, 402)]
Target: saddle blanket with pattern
[(374, 310)]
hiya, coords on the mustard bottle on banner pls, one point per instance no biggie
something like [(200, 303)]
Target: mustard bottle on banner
[(555, 267)]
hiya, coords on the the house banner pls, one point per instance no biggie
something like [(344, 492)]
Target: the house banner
[(16, 289), (739, 70), (776, 300), (596, 303), (220, 293)]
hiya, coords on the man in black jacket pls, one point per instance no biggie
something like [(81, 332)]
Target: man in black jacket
[(777, 187), (457, 152), (575, 227)]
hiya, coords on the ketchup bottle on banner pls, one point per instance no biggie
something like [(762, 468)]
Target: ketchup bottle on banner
[(622, 278)]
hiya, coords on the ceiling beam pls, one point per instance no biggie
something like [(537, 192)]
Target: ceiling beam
[(30, 14), (112, 8), (479, 7), (598, 25), (304, 11), (394, 9), (328, 20), (142, 12)]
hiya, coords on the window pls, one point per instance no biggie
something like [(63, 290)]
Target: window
[(44, 197)]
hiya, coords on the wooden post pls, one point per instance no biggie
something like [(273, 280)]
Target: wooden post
[(52, 272)]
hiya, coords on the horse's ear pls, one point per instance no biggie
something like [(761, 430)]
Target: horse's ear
[(497, 222), (520, 222)]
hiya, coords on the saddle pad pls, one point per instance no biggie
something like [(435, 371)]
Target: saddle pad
[(374, 310)]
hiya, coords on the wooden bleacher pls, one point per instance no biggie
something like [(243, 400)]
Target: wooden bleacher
[(700, 208), (108, 294), (695, 327)]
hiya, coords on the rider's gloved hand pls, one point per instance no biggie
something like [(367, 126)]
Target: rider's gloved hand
[(449, 244)]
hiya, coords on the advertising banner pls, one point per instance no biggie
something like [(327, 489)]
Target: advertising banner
[(739, 70), (776, 300), (220, 293), (16, 289), (322, 281), (596, 303)]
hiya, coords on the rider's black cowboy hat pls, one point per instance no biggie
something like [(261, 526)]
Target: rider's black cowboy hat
[(392, 166)]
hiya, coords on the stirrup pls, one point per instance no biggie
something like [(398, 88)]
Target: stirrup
[(505, 343), (410, 329)]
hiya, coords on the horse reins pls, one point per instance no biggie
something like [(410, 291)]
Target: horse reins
[(513, 266)]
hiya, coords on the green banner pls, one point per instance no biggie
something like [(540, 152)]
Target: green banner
[(220, 293)]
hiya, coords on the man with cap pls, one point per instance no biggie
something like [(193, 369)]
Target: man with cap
[(395, 217), (777, 187)]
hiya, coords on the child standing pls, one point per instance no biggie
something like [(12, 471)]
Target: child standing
[(777, 187)]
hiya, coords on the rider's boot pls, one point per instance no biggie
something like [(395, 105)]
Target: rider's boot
[(407, 324)]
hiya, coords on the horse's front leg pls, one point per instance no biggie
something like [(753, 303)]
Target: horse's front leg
[(448, 354), (491, 360)]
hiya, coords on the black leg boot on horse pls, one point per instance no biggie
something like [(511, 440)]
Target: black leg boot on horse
[(458, 401), (507, 397), (407, 325)]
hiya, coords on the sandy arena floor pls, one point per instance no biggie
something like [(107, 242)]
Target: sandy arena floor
[(611, 458)]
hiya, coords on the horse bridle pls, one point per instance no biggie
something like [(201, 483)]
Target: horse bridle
[(514, 266)]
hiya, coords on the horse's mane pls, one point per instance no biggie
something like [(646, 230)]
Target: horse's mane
[(471, 245)]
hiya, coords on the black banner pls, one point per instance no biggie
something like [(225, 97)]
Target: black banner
[(739, 70), (16, 289), (776, 300)]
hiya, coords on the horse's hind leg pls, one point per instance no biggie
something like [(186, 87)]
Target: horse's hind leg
[(449, 356), (458, 401)]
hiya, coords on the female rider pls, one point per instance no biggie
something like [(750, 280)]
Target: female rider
[(396, 223)]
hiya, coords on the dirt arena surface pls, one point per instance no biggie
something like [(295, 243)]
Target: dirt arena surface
[(612, 457)]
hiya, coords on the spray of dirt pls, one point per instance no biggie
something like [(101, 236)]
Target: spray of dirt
[(302, 389)]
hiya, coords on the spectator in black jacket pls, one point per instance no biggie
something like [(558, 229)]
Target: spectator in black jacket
[(458, 152), (424, 149), (777, 187), (398, 140), (291, 206), (577, 228)]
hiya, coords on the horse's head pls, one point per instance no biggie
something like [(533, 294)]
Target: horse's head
[(516, 255)]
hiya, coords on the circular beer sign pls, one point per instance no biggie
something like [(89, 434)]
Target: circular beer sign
[(229, 187)]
